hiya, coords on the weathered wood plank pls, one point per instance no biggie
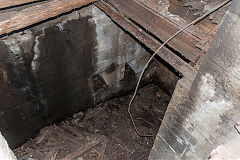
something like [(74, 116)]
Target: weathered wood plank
[(159, 26), (9, 3), (38, 13), (167, 55), (179, 15), (85, 148)]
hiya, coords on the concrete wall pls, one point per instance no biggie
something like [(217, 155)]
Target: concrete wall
[(63, 66), (165, 78), (5, 152), (199, 123)]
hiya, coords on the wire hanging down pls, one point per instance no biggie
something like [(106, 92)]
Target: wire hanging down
[(156, 52)]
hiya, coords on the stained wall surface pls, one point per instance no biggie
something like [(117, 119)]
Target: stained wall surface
[(199, 122), (63, 66)]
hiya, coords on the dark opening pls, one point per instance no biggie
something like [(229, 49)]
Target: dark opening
[(67, 83)]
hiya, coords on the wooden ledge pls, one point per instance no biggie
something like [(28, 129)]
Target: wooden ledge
[(186, 69), (38, 13), (10, 3)]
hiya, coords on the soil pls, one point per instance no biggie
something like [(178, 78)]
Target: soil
[(103, 132)]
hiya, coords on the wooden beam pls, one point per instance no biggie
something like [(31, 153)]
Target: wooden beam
[(10, 3), (158, 26), (167, 55), (38, 13)]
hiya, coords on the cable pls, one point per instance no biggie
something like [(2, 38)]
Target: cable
[(156, 52)]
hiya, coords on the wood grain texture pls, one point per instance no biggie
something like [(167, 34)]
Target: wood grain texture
[(166, 54), (9, 3), (158, 26), (38, 13)]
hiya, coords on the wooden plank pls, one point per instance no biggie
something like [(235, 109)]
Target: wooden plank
[(85, 148), (38, 13), (176, 7), (167, 55), (73, 130), (10, 3), (179, 15), (158, 26), (61, 133)]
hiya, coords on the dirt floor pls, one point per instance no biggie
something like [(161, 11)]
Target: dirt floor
[(103, 132)]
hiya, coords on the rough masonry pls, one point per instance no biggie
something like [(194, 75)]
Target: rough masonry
[(63, 66), (199, 122)]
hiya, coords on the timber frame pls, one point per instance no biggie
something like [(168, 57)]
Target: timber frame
[(145, 24)]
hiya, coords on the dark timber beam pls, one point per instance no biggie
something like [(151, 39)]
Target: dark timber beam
[(159, 26), (37, 13), (10, 3), (167, 55)]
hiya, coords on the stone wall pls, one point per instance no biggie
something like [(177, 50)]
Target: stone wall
[(62, 66), (199, 121)]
